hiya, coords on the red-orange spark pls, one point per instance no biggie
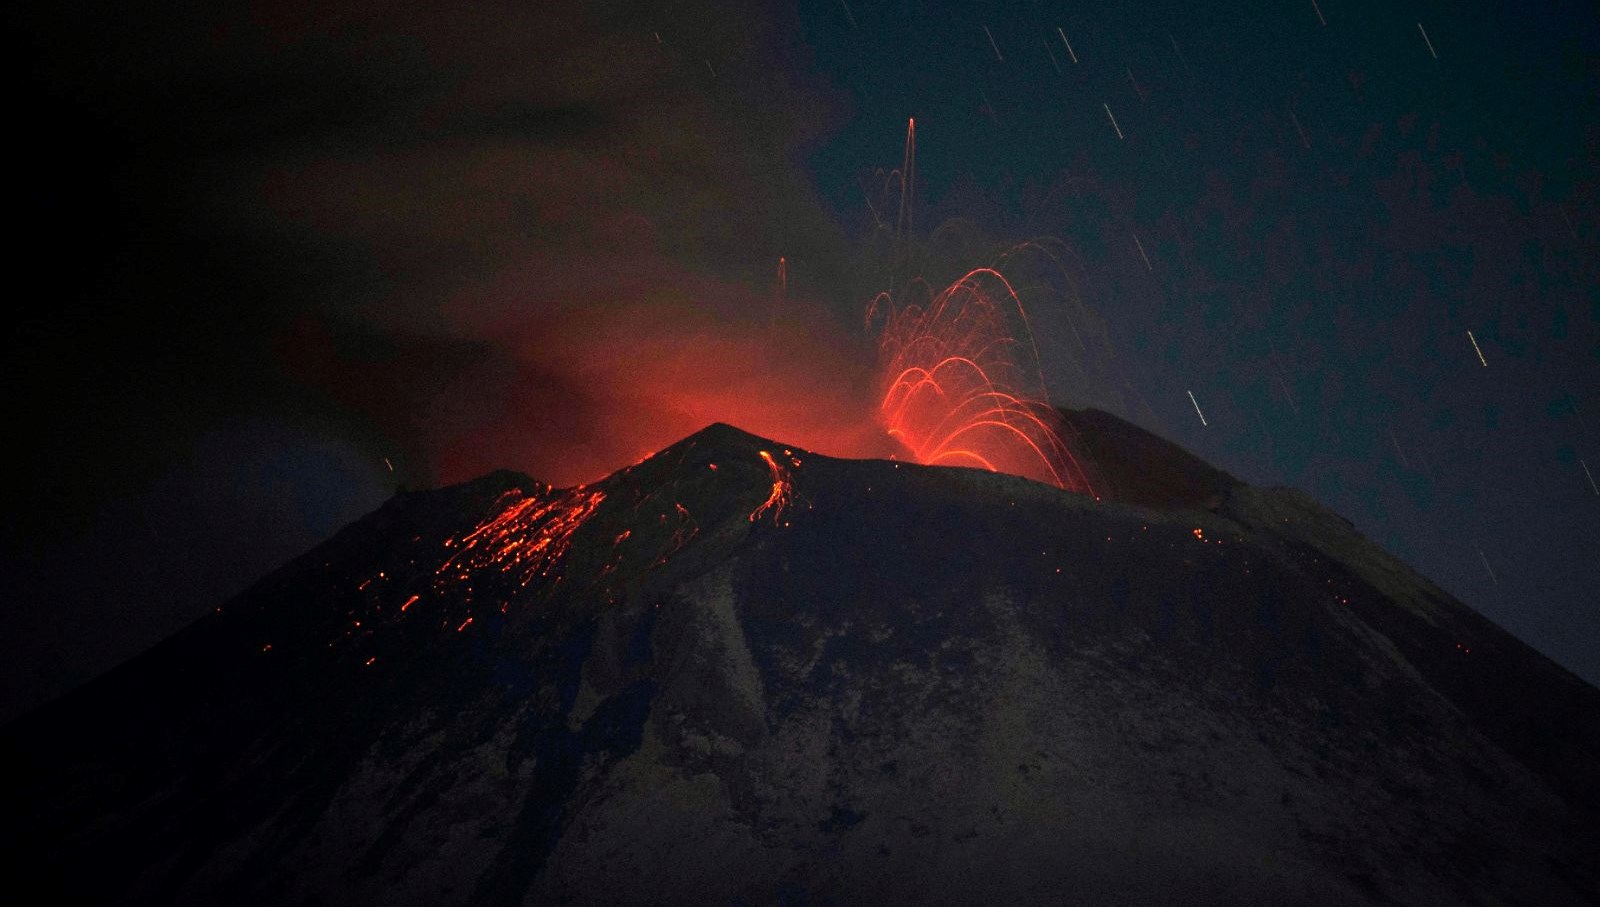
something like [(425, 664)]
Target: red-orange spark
[(409, 602), (464, 624), (780, 496)]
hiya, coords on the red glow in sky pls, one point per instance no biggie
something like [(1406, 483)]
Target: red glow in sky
[(599, 389)]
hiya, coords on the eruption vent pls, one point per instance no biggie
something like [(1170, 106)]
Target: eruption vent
[(960, 386)]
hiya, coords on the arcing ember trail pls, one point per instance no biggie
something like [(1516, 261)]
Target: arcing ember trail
[(960, 388)]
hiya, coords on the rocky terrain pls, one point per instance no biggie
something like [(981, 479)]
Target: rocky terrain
[(743, 673)]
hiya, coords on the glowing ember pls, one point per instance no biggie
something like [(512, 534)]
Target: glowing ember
[(685, 529), (781, 495), (958, 388), (526, 539)]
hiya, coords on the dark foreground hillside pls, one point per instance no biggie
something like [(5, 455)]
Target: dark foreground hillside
[(736, 673)]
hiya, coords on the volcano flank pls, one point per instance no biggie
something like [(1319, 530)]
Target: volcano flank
[(737, 672)]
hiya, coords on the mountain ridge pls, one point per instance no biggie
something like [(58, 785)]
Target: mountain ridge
[(777, 654)]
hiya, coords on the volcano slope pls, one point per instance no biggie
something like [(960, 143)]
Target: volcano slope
[(739, 673)]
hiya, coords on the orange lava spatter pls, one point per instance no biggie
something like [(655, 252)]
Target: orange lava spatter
[(526, 539)]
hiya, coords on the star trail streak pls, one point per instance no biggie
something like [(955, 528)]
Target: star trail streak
[(1427, 41), (1064, 40), (1197, 411), (1113, 118)]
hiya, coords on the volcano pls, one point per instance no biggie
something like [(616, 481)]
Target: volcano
[(740, 672)]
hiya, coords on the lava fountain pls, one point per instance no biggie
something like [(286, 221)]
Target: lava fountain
[(959, 376), (960, 383)]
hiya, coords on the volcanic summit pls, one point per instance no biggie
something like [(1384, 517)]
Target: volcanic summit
[(741, 672)]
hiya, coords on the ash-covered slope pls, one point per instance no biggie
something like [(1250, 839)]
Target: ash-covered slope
[(1137, 467), (739, 673)]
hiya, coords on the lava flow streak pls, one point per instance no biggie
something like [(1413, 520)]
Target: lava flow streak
[(960, 389), (526, 539), (780, 496)]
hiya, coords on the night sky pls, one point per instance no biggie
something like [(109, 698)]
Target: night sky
[(264, 247)]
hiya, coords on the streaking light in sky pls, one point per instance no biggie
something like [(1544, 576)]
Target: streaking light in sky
[(1113, 119), (993, 45), (1488, 568), (1428, 42), (1197, 408), (1064, 40)]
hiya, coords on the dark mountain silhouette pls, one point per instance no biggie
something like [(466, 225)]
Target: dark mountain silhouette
[(739, 673), (1136, 467)]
